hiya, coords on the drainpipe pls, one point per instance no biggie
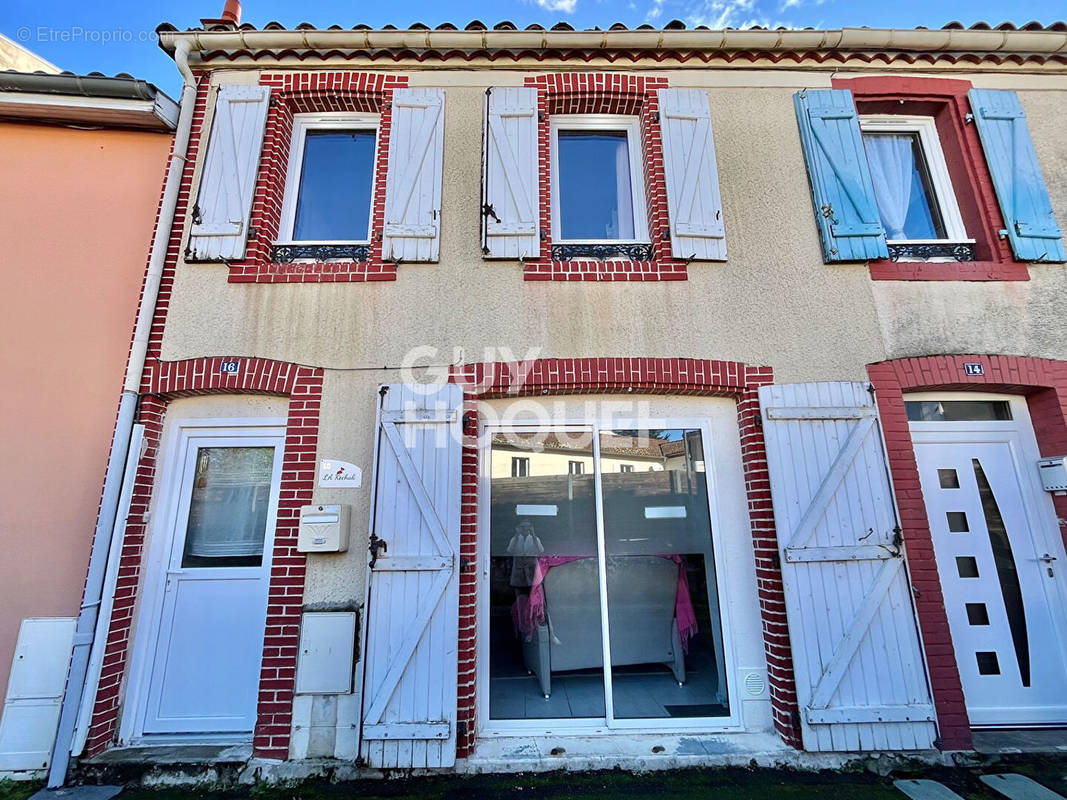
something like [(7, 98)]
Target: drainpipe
[(88, 634)]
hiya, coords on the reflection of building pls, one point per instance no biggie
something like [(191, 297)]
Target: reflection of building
[(558, 454), (818, 525)]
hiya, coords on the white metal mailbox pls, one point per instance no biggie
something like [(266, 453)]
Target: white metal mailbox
[(1053, 473), (327, 649), (323, 529)]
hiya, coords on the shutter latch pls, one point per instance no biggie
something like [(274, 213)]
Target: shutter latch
[(197, 219), (376, 544)]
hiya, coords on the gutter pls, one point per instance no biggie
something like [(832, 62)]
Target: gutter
[(1002, 42), (90, 633), (84, 99)]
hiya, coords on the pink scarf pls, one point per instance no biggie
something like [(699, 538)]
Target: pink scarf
[(529, 611)]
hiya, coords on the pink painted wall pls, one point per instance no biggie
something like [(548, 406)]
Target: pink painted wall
[(77, 210)]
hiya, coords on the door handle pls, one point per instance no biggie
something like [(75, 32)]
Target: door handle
[(1048, 558)]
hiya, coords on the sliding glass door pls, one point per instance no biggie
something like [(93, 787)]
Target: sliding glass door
[(601, 552)]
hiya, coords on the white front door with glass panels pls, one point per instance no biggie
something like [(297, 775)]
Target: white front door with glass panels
[(602, 580), (999, 555), (206, 607)]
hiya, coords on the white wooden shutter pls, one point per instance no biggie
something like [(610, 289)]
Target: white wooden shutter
[(510, 216), (228, 180), (692, 175), (413, 181), (410, 651), (861, 679)]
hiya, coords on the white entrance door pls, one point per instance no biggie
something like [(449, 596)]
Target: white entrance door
[(999, 555), (220, 500)]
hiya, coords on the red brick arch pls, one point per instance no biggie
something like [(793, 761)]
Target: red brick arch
[(1044, 384), (164, 381)]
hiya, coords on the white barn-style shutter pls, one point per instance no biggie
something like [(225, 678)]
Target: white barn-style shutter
[(413, 180), (846, 212), (1020, 187), (227, 183), (410, 650), (861, 678), (510, 216), (692, 175)]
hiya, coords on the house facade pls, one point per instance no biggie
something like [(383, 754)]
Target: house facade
[(524, 398), (81, 159)]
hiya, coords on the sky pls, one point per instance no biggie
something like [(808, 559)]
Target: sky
[(113, 36)]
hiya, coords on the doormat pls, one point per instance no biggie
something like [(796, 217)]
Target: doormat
[(698, 710)]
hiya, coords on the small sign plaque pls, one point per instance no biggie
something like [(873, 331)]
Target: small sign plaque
[(334, 474), (228, 368), (973, 368)]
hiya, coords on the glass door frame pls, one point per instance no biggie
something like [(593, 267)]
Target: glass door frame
[(609, 723)]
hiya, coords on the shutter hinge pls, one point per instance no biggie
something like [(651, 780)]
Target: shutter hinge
[(870, 390), (898, 536), (776, 560), (655, 118), (1003, 233), (461, 728), (544, 235), (794, 718), (489, 211), (540, 116), (968, 119), (253, 234), (757, 419), (465, 565), (828, 212), (666, 235)]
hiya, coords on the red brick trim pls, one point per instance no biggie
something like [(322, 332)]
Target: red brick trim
[(315, 92), (164, 381), (660, 376), (945, 99), (605, 93), (1044, 383)]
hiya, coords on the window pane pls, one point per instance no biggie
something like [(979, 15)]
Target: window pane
[(544, 586), (667, 656), (902, 186), (595, 195), (333, 204), (228, 509), (957, 410)]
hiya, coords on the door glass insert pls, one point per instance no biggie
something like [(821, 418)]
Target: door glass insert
[(957, 410), (948, 479), (967, 566), (1007, 574), (546, 658), (228, 508), (987, 663), (663, 617), (977, 614), (957, 521)]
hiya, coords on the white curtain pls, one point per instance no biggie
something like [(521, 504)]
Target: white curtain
[(623, 192), (892, 163), (229, 504)]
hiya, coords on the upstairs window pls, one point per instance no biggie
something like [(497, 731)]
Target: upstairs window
[(330, 179), (912, 188), (597, 179)]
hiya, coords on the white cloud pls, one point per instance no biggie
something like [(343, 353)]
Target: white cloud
[(656, 11), (718, 14), (566, 6)]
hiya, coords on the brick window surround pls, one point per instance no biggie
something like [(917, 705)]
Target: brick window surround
[(945, 100), (163, 382), (605, 93), (1044, 384), (306, 93), (658, 376)]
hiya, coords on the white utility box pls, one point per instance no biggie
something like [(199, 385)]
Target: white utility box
[(327, 650), (1053, 473), (323, 529)]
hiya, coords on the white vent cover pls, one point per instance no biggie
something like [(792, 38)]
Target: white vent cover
[(753, 682)]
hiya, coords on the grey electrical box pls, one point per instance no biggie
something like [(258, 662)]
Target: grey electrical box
[(1053, 473)]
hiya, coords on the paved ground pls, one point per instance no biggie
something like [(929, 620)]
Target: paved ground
[(690, 784)]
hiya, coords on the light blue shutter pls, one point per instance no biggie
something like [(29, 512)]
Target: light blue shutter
[(845, 208), (1020, 188)]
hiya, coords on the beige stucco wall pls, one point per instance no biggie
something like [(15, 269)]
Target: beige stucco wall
[(76, 215)]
